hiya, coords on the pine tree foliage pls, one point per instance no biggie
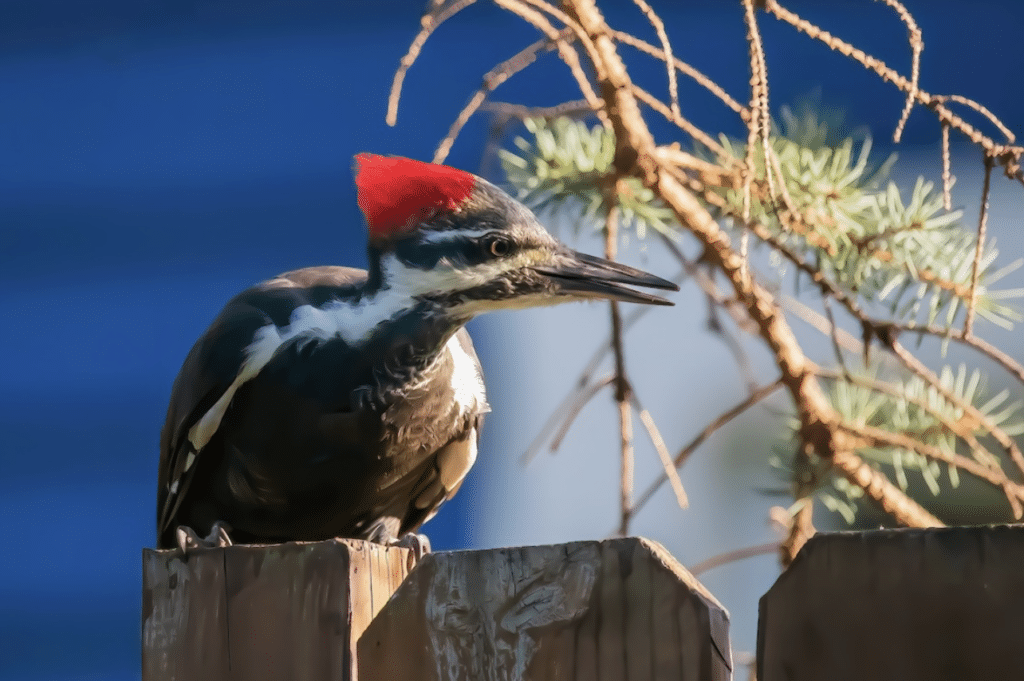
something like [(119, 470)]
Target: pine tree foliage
[(564, 169), (821, 211), (863, 232), (878, 244), (866, 235), (912, 406)]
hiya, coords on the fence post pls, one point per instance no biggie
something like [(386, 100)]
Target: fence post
[(253, 613), (586, 611), (898, 605), (608, 611)]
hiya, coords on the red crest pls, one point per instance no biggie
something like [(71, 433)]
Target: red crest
[(396, 194)]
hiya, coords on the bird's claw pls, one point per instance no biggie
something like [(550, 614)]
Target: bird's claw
[(188, 540), (419, 544)]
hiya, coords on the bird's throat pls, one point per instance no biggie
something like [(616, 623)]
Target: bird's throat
[(410, 343)]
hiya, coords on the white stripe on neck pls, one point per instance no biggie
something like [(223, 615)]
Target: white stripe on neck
[(466, 381), (352, 322)]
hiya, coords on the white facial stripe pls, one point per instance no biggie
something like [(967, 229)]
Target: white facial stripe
[(446, 277), (455, 235)]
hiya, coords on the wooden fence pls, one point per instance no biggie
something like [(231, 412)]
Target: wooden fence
[(901, 605)]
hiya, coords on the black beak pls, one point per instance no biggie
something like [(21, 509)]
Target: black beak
[(584, 276)]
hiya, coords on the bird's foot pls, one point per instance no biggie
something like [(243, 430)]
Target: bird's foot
[(188, 540), (419, 544)]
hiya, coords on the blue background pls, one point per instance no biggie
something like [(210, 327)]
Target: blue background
[(158, 156)]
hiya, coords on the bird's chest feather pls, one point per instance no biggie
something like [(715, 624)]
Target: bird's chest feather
[(436, 403), (322, 410)]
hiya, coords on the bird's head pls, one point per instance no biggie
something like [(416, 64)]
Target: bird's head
[(443, 235)]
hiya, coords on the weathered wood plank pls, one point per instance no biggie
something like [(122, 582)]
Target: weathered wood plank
[(248, 613), (666, 643), (638, 588), (579, 611), (899, 605), (584, 643), (611, 657), (171, 615)]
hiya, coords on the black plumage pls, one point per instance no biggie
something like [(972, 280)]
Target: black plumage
[(333, 402), (325, 440)]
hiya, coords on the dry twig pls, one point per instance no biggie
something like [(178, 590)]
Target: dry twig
[(684, 68), (688, 185), (734, 556), (801, 528), (879, 488), (979, 250), (565, 50), (436, 14), (584, 396), (724, 418), (623, 390), (916, 47), (947, 173), (666, 459), (983, 110), (1009, 157), (492, 79), (666, 46)]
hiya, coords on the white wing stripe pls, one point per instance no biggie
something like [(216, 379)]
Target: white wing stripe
[(353, 323)]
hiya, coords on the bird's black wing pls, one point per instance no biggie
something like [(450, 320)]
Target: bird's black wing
[(213, 364)]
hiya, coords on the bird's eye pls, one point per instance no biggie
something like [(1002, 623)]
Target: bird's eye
[(499, 247)]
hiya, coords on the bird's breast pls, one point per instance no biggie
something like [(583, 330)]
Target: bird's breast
[(438, 403)]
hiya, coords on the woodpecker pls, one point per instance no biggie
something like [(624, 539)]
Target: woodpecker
[(337, 402)]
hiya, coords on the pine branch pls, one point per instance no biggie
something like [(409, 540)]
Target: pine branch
[(813, 200)]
